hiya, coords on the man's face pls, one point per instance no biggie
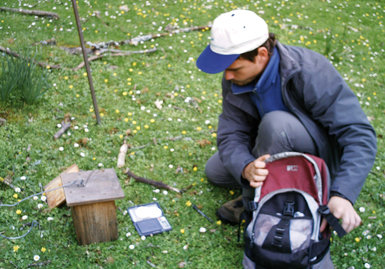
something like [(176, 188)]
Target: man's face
[(242, 71)]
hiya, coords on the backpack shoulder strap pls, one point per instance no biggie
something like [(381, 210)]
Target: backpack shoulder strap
[(332, 220)]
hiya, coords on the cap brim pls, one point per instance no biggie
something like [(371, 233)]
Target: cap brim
[(212, 63)]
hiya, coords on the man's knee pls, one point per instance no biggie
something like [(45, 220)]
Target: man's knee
[(217, 174), (281, 131)]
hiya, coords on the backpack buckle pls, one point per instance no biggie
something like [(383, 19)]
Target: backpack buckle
[(288, 209)]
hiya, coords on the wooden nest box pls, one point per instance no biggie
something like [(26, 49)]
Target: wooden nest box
[(92, 201)]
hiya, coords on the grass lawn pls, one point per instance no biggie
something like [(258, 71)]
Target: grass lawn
[(166, 110)]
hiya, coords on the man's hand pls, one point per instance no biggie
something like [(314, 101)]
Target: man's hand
[(343, 209), (255, 172)]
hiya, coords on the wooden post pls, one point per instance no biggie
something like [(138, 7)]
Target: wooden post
[(92, 204)]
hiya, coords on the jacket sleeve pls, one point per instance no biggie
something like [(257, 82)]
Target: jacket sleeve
[(236, 130), (333, 105)]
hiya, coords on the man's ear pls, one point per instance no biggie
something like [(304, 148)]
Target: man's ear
[(263, 54)]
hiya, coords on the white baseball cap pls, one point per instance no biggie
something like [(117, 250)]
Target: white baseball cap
[(232, 34)]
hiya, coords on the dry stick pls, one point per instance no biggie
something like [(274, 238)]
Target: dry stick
[(41, 64), (93, 58), (158, 184), (31, 12), (65, 126), (135, 41), (122, 155)]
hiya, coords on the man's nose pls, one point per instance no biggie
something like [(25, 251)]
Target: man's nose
[(229, 75)]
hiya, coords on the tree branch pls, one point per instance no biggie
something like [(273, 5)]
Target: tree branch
[(41, 64), (124, 53), (158, 184), (31, 12)]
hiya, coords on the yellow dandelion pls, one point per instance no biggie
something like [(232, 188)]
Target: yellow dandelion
[(195, 169), (15, 196), (15, 248), (43, 249), (152, 120), (146, 126), (214, 135), (357, 239), (219, 222), (199, 128), (70, 86), (18, 212), (188, 203), (184, 132), (231, 192), (182, 231), (117, 111)]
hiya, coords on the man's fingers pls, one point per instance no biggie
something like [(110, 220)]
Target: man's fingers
[(258, 178), (261, 172), (351, 223), (255, 184), (263, 157)]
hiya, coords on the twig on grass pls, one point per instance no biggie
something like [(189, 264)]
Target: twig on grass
[(125, 53), (41, 64), (122, 154), (8, 181), (31, 12), (155, 183), (38, 264), (65, 126), (136, 40)]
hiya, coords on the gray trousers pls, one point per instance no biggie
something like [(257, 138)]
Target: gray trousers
[(278, 131)]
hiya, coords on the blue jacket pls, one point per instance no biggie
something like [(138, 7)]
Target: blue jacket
[(319, 97)]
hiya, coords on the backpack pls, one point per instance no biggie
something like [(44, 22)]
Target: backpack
[(284, 229)]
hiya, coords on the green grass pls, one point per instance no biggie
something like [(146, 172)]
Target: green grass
[(180, 135)]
